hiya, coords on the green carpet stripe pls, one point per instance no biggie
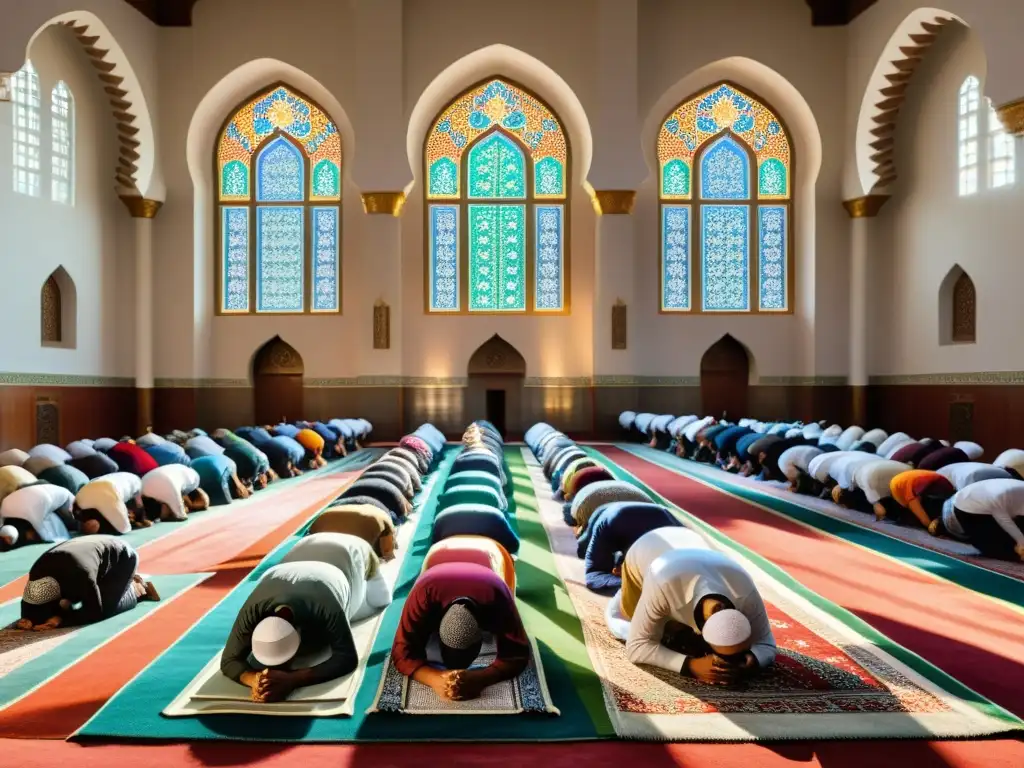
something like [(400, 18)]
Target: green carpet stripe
[(134, 712), (911, 659), (938, 564), (544, 602), (87, 639), (15, 564)]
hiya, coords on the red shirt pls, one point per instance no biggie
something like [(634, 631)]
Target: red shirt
[(438, 588), (132, 458)]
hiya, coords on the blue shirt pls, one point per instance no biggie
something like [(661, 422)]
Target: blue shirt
[(295, 451), (476, 520), (214, 477), (744, 443), (726, 440), (168, 453), (620, 525)]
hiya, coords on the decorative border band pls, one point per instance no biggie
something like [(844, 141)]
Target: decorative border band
[(62, 380), (988, 378)]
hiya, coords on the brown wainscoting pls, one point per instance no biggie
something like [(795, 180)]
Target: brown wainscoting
[(83, 412), (933, 410)]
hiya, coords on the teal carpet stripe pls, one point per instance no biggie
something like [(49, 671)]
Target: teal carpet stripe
[(87, 639), (15, 564), (905, 655), (935, 563), (134, 713)]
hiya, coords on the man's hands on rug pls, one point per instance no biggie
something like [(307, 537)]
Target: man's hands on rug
[(715, 670), (275, 685)]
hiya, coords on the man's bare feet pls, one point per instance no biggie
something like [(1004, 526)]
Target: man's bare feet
[(23, 624)]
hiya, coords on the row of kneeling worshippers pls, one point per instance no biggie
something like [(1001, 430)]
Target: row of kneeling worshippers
[(944, 488), (329, 579), (111, 486), (678, 604), (463, 595)]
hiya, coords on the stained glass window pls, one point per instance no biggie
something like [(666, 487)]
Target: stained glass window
[(27, 132), (725, 166), (496, 167), (279, 191), (62, 144)]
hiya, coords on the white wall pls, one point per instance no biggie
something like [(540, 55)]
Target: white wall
[(927, 228), (814, 77), (91, 239), (679, 38)]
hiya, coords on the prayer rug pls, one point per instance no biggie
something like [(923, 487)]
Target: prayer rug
[(956, 561), (527, 693), (210, 693), (828, 681)]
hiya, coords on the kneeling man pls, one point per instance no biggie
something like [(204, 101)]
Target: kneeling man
[(300, 606), (701, 615), (455, 603), (82, 581)]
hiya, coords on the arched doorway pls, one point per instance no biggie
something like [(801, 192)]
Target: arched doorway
[(496, 375), (724, 373), (277, 383)]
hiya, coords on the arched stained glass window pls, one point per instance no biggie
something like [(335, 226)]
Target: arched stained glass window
[(496, 163), (278, 170), (62, 144), (725, 166), (27, 131)]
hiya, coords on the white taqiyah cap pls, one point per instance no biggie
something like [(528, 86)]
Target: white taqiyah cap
[(726, 628), (9, 532), (274, 641)]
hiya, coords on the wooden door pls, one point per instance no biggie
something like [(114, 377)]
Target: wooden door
[(278, 397), (724, 373)]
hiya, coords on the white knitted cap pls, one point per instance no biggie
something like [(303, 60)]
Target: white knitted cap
[(726, 629), (10, 532), (41, 591), (274, 641)]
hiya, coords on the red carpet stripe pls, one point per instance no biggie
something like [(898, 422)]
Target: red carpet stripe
[(835, 754), (973, 639), (60, 707)]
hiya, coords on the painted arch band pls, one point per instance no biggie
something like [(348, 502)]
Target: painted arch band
[(725, 190)]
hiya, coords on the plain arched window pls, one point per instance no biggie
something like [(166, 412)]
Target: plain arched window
[(968, 115), (964, 309), (496, 164), (27, 131), (279, 180), (725, 191), (1002, 159), (62, 144)]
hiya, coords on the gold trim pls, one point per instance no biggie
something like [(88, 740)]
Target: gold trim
[(614, 201), (866, 207), (141, 207), (1011, 115), (384, 202)]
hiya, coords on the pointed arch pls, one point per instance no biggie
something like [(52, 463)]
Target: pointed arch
[(62, 144), (277, 370), (496, 357), (58, 310), (278, 163), (957, 308), (725, 369), (885, 93), (725, 164), (497, 165)]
